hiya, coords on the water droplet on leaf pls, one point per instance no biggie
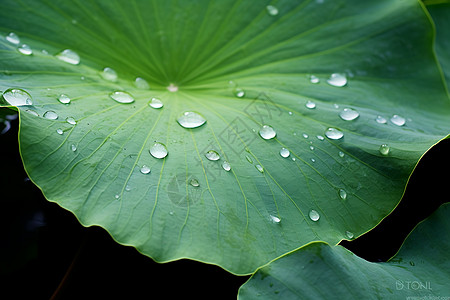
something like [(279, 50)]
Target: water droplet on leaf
[(194, 182), (13, 38), (64, 99), (226, 166), (384, 149), (381, 120), (398, 120), (337, 79), (155, 103), (311, 105), (314, 79), (212, 155), (259, 168), (158, 150), (275, 219), (191, 119), (145, 169), (69, 56), (25, 49), (141, 83), (109, 74), (348, 114), (17, 97), (122, 97), (314, 215), (59, 131), (272, 10), (51, 115), (238, 92), (342, 194), (333, 133), (284, 152), (349, 234), (71, 121), (73, 147), (267, 132)]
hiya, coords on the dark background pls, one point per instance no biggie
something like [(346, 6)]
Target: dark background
[(45, 252)]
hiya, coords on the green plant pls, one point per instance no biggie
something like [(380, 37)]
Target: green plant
[(229, 138)]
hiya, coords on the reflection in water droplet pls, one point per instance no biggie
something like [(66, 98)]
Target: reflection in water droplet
[(342, 194), (226, 166), (51, 115), (69, 56), (191, 119), (259, 168), (59, 131), (25, 49), (381, 120), (272, 10), (314, 79), (384, 149), (212, 155), (109, 74), (284, 152), (141, 83), (348, 114), (267, 132), (64, 99), (13, 38), (238, 92), (71, 121), (275, 219), (158, 150), (310, 104), (194, 182), (333, 133), (17, 97), (122, 97), (73, 147), (155, 103), (337, 79), (398, 120), (314, 215), (349, 234), (145, 169)]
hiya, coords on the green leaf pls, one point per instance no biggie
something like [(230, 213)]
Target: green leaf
[(240, 65), (318, 271)]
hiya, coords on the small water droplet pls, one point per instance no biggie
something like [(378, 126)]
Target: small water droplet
[(171, 213), (127, 188), (341, 154), (384, 149), (284, 152), (158, 150), (249, 159), (337, 79), (226, 166), (293, 159), (71, 121), (314, 215), (13, 38), (314, 79), (172, 88), (349, 234), (64, 99), (25, 49), (117, 196), (145, 169), (238, 92), (191, 119), (290, 113), (333, 133), (51, 115), (259, 168), (194, 182), (141, 83), (34, 113), (311, 148), (311, 105), (381, 120), (109, 74), (275, 219), (272, 10), (305, 135), (59, 131), (267, 132), (155, 103), (342, 194), (320, 138), (335, 105), (348, 114), (122, 97), (73, 147), (212, 155), (69, 56), (17, 97), (313, 160), (398, 120)]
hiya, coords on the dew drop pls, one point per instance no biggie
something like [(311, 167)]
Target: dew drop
[(117, 196), (314, 215), (272, 10), (17, 97), (194, 182), (311, 105), (313, 160), (25, 49), (172, 88), (348, 114), (191, 119), (109, 74), (238, 92), (127, 188), (226, 166), (249, 159), (305, 135), (333, 133), (51, 115), (13, 38), (311, 148), (398, 120), (384, 149), (212, 155), (267, 132), (381, 120), (69, 56), (341, 154), (73, 147), (171, 213), (122, 97), (342, 194), (284, 152), (337, 79), (155, 103), (141, 83), (145, 169), (314, 79), (64, 99), (275, 219), (158, 150), (349, 234), (59, 131), (320, 138), (259, 168)]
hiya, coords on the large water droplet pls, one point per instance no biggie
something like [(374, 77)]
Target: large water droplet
[(284, 152), (311, 105), (145, 169), (238, 92), (398, 120), (384, 149), (272, 10), (158, 150), (348, 114), (25, 49), (226, 166), (314, 215), (122, 97), (17, 97), (259, 168), (13, 38), (69, 56), (275, 219), (64, 99), (337, 79), (155, 103), (342, 194), (381, 120), (141, 83), (109, 74), (51, 115), (333, 133), (71, 121), (267, 132), (314, 79), (194, 182), (191, 119), (212, 155)]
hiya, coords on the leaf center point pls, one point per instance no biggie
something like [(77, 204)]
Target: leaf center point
[(172, 88)]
